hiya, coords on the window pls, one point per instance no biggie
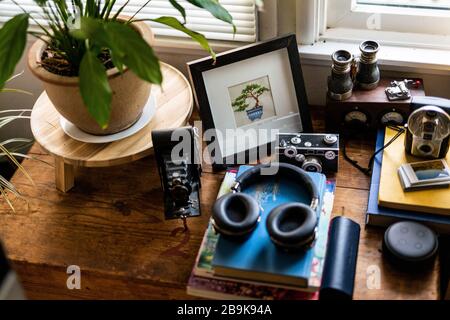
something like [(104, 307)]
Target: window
[(416, 4), (242, 11), (423, 23), (414, 34)]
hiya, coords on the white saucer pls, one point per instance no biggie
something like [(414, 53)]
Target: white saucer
[(75, 133)]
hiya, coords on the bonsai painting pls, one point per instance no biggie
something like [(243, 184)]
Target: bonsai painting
[(252, 101)]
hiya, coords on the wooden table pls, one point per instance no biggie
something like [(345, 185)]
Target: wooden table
[(111, 225)]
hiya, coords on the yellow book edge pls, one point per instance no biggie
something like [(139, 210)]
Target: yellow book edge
[(391, 194)]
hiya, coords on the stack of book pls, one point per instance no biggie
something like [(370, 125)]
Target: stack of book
[(388, 202), (255, 268)]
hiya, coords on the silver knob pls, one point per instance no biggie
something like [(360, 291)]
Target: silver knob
[(290, 152), (300, 157), (308, 144), (330, 139), (296, 140), (330, 155)]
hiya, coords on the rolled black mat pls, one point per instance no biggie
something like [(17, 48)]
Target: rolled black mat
[(340, 262)]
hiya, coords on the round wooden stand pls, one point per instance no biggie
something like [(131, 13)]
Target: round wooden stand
[(174, 107)]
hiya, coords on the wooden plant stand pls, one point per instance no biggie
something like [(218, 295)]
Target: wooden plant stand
[(174, 107)]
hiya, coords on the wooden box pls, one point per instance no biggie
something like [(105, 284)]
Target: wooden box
[(369, 109)]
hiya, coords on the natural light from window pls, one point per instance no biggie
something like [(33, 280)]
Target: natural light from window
[(417, 4)]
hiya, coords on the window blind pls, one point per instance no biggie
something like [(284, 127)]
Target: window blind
[(242, 11)]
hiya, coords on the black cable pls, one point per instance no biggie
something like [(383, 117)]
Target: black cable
[(368, 170)]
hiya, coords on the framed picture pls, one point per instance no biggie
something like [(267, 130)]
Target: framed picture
[(248, 95)]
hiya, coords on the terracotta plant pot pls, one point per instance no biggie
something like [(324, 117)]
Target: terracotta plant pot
[(130, 93)]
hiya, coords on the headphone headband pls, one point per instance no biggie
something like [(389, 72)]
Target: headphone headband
[(251, 175)]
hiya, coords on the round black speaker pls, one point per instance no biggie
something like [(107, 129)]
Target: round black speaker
[(410, 244)]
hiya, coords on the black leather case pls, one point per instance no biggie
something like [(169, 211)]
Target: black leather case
[(340, 262)]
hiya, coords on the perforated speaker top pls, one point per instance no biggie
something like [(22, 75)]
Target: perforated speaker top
[(410, 241)]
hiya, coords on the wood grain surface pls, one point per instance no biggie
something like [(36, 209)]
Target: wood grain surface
[(111, 225)]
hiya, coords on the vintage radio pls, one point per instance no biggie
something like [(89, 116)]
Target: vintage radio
[(368, 110)]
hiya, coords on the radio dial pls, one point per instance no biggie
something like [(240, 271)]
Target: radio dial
[(356, 117), (392, 117)]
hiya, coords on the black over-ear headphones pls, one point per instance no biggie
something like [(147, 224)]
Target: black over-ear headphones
[(290, 225)]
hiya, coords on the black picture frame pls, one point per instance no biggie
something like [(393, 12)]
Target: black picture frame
[(198, 67)]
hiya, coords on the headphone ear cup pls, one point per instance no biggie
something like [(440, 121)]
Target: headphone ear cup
[(292, 225), (235, 214)]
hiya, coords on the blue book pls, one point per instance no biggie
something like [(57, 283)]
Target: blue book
[(383, 217), (257, 258)]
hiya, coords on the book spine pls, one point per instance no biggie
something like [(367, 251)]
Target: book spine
[(318, 260), (209, 240), (385, 220)]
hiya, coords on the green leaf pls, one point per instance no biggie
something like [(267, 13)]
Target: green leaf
[(180, 9), (133, 51), (41, 3), (216, 9), (94, 88), (120, 10), (91, 29), (95, 30), (176, 24), (116, 61), (13, 37)]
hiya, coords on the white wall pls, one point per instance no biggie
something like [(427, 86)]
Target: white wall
[(315, 75)]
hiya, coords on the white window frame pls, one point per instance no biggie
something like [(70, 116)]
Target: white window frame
[(401, 51), (346, 20), (350, 14)]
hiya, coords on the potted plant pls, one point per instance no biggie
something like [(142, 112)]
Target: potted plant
[(96, 65), (252, 91), (12, 148)]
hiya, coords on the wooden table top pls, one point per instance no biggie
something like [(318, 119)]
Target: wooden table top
[(111, 225)]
